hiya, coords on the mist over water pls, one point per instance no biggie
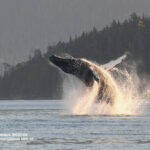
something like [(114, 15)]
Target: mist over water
[(127, 98)]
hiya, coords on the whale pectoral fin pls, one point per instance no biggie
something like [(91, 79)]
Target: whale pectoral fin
[(110, 65), (95, 75)]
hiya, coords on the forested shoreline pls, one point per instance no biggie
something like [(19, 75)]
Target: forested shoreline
[(37, 79)]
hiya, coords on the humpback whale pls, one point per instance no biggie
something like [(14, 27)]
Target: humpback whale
[(89, 73)]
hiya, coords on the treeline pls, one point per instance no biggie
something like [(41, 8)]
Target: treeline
[(36, 79)]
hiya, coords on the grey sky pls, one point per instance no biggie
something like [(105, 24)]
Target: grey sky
[(29, 24)]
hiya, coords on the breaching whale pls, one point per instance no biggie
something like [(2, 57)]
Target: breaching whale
[(89, 73)]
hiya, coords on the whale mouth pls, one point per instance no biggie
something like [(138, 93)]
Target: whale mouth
[(56, 59)]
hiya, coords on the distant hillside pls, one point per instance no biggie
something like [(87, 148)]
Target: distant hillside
[(36, 79)]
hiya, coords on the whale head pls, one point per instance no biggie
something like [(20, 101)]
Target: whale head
[(76, 67)]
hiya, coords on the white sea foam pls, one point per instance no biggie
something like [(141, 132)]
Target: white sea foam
[(123, 88)]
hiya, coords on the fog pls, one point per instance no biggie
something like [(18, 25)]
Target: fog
[(29, 24)]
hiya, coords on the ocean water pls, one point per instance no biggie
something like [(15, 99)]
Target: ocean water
[(44, 125)]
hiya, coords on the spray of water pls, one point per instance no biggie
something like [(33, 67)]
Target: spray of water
[(80, 100)]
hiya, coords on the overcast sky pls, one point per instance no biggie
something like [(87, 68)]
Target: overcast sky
[(29, 24)]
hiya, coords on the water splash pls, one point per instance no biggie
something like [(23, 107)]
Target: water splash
[(81, 100)]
